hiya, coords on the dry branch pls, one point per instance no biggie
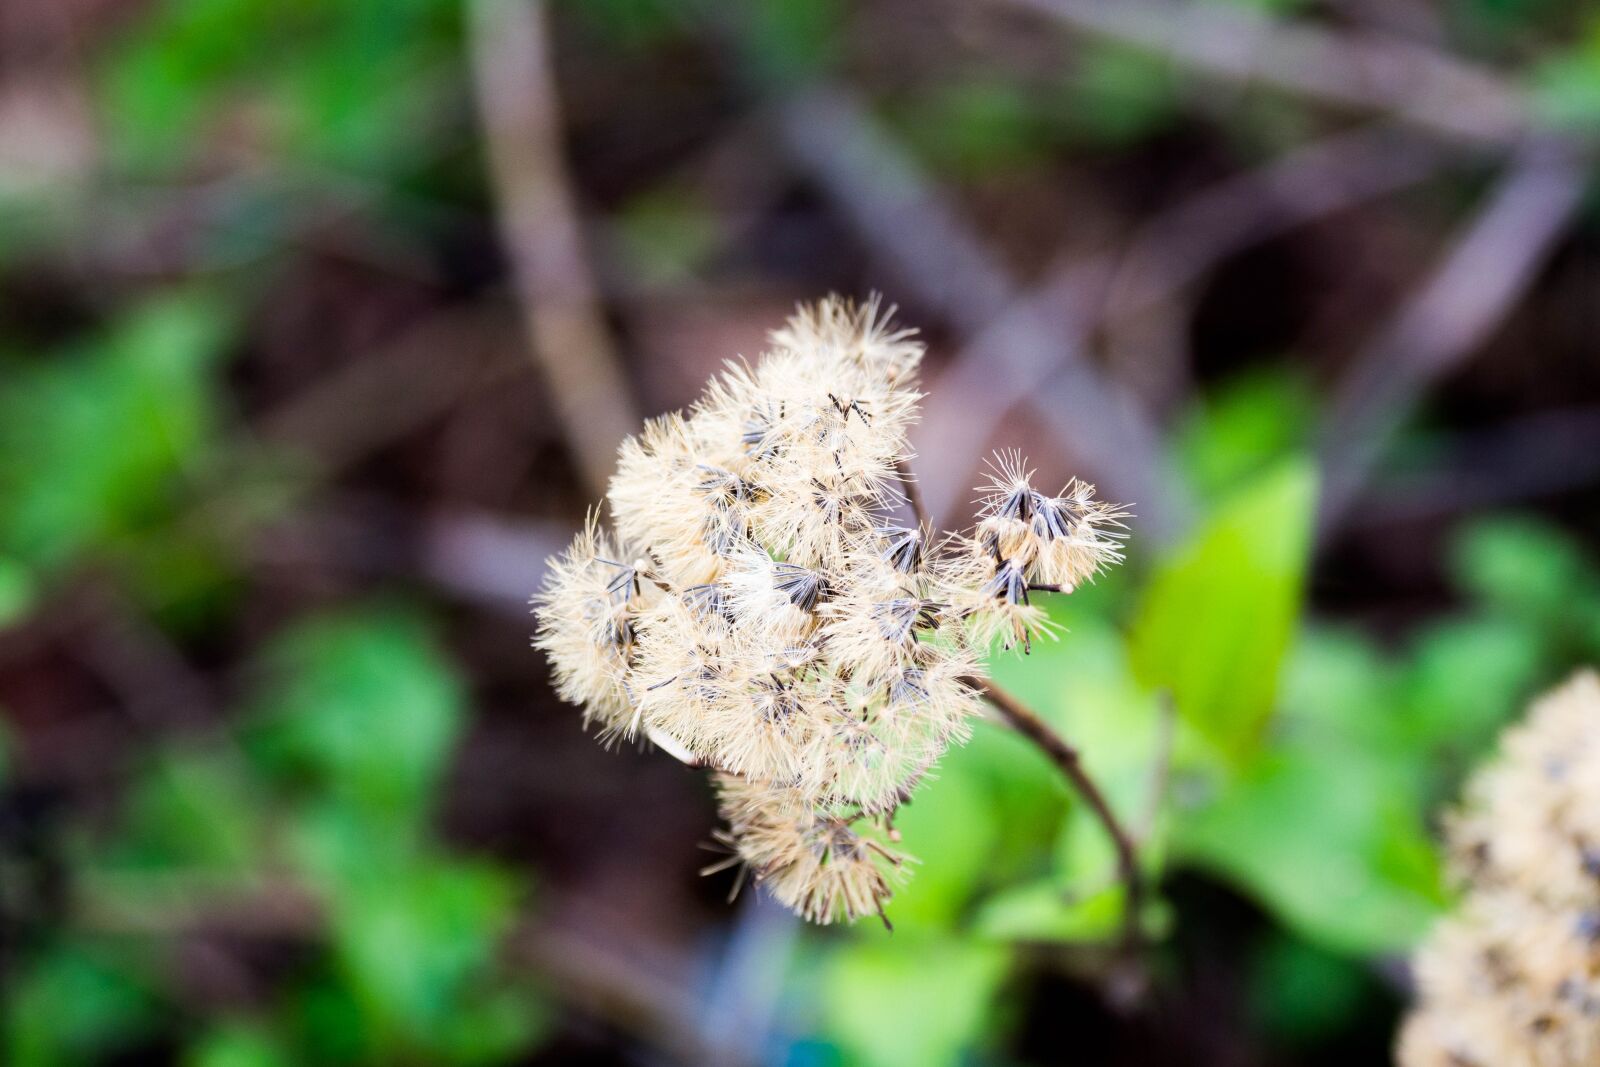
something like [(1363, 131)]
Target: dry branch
[(1423, 87), (517, 106), (1452, 313)]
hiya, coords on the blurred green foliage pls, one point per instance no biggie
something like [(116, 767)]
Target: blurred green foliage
[(343, 740), (363, 76), (1566, 85), (320, 817), (93, 441), (1242, 573), (1305, 760)]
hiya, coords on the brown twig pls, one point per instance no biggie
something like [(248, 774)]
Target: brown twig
[(1452, 313), (1022, 719), (361, 406), (1184, 242), (1031, 346), (908, 221), (517, 106), (1546, 453), (1169, 253), (1424, 87)]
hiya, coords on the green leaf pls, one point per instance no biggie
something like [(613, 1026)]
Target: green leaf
[(1467, 677), (192, 811), (911, 1003), (1217, 619), (71, 1005), (952, 827), (1336, 682), (18, 591), (1041, 911), (90, 443), (361, 707), (1524, 567), (359, 96), (1085, 688), (1118, 96), (411, 945), (237, 1045), (1254, 421), (495, 1027), (1566, 87), (1329, 838), (326, 1016)]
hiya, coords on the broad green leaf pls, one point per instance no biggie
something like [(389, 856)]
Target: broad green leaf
[(411, 945), (367, 82), (1330, 840), (1216, 619), (72, 1004), (911, 1003), (192, 810), (238, 1045), (361, 706), (91, 443), (1336, 682), (1253, 422), (1466, 677), (1084, 686), (1524, 567), (952, 828), (334, 842), (494, 1027), (326, 1016), (1042, 911)]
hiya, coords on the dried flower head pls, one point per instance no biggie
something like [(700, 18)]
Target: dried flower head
[(1513, 977), (766, 608)]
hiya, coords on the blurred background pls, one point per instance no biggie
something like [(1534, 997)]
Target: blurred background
[(320, 321)]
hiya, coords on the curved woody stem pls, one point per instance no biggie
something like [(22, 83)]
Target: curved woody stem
[(1027, 723)]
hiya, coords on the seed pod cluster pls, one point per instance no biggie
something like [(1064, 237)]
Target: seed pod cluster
[(763, 605), (1512, 977)]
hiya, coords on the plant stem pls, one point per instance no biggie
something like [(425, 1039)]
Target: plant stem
[(1066, 758)]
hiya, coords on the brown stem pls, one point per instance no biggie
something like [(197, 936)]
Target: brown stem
[(538, 217), (1065, 757)]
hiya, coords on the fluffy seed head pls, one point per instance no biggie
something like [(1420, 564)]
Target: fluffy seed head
[(778, 616), (1513, 976)]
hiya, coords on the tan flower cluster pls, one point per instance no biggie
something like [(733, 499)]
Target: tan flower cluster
[(1512, 979), (758, 608)]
